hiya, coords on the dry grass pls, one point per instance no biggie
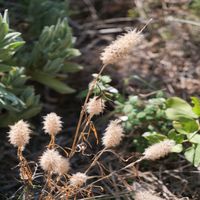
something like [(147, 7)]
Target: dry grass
[(57, 181)]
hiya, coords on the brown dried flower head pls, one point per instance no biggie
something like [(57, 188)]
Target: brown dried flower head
[(19, 134), (49, 160), (52, 124), (113, 135), (78, 179), (119, 48), (95, 106), (159, 150), (145, 195)]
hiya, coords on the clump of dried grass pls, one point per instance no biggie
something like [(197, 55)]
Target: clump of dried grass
[(59, 182)]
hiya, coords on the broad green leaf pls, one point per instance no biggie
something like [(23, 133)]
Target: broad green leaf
[(186, 125), (52, 82), (154, 137), (196, 107), (173, 135), (194, 138), (189, 154), (177, 148), (178, 108), (197, 156), (192, 154)]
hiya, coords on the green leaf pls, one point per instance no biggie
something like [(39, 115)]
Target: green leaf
[(186, 126), (52, 82), (173, 135), (177, 148), (127, 108), (192, 154), (30, 112), (196, 107), (71, 67), (178, 108), (189, 154), (154, 137), (105, 79), (4, 68), (194, 138), (141, 115)]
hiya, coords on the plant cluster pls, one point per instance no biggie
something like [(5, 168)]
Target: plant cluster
[(17, 99), (44, 57), (141, 113), (63, 182), (158, 119), (185, 131)]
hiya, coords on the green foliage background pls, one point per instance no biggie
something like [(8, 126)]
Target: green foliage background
[(43, 55)]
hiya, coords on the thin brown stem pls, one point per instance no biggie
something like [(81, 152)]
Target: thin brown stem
[(95, 160), (83, 111)]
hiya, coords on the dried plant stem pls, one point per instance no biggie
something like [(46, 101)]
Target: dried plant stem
[(51, 144), (25, 170), (84, 128), (95, 160), (117, 171), (83, 111), (25, 173), (47, 186)]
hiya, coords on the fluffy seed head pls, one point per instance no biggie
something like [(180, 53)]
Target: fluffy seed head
[(49, 160), (78, 179), (119, 48), (95, 106), (19, 134), (63, 166), (145, 195), (113, 135), (52, 124), (159, 150)]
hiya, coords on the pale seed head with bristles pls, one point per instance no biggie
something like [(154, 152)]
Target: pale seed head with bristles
[(113, 134), (78, 179), (159, 150), (122, 46), (52, 124), (49, 160), (145, 195), (95, 106), (19, 134), (63, 166)]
